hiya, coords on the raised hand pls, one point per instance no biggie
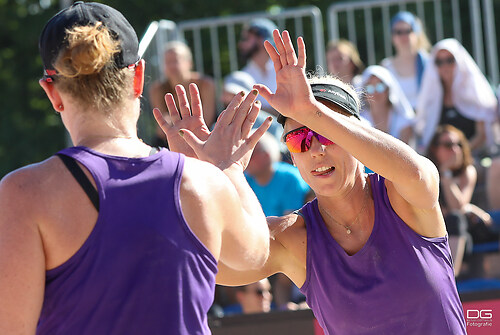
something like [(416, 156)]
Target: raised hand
[(293, 93), (230, 143), (188, 116)]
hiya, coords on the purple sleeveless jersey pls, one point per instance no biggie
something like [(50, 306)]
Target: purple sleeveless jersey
[(141, 270), (398, 283)]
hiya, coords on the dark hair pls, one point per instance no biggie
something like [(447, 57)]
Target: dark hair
[(464, 144)]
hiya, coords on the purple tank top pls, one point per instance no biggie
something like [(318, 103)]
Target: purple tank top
[(398, 283), (141, 270)]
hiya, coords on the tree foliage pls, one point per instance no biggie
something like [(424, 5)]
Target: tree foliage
[(30, 130)]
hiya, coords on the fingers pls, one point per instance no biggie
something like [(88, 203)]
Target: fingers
[(242, 111), (196, 106), (160, 120), (252, 140), (273, 54), (184, 108), (264, 91), (194, 142), (250, 119), (280, 47), (284, 53), (172, 108), (289, 50), (227, 116), (302, 52)]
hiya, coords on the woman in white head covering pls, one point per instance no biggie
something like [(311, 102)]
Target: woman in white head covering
[(387, 109), (454, 91)]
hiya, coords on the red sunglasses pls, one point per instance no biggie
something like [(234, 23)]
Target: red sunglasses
[(300, 139)]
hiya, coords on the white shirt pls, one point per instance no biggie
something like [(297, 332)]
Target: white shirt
[(267, 78)]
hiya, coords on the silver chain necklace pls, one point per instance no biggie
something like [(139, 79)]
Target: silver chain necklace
[(348, 228)]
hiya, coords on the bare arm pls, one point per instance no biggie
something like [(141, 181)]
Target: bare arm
[(22, 261), (411, 178), (235, 234), (458, 194), (480, 137), (281, 259)]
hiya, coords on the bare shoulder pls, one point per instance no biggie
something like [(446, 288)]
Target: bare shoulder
[(26, 193), (290, 231), (33, 179), (201, 175)]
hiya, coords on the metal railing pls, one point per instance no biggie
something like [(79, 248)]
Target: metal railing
[(345, 18)]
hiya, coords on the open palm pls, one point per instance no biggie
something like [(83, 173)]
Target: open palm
[(187, 116)]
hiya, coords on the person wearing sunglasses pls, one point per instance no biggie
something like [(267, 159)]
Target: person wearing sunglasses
[(368, 246), (455, 91), (112, 236), (411, 45), (466, 223), (255, 297), (386, 106)]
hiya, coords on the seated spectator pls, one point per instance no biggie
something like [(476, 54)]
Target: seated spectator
[(387, 108), (239, 81), (492, 185), (255, 298), (466, 223), (411, 45), (178, 65), (273, 181), (454, 91), (343, 61), (253, 53)]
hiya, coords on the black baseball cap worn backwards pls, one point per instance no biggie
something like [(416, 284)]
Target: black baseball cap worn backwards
[(53, 37), (334, 94)]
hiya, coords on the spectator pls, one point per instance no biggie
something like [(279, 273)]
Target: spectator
[(492, 185), (343, 61), (134, 248), (272, 180), (357, 249), (178, 70), (388, 109), (255, 298), (411, 45), (239, 81), (251, 48), (454, 91), (466, 223)]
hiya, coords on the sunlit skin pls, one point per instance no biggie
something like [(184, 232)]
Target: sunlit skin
[(336, 182)]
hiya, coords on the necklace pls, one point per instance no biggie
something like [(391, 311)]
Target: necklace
[(348, 228)]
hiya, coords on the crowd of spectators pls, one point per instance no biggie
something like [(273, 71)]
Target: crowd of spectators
[(433, 98)]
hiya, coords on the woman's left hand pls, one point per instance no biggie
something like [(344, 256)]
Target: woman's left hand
[(230, 142), (293, 94)]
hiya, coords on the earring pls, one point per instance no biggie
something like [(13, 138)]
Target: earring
[(61, 107)]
